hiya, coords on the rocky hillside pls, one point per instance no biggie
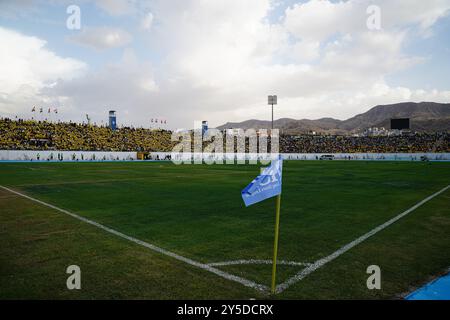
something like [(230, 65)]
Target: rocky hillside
[(425, 116)]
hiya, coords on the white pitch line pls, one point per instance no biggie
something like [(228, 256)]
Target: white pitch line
[(321, 262), (150, 246), (257, 261)]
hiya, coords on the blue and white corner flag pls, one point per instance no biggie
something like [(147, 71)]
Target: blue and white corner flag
[(266, 185)]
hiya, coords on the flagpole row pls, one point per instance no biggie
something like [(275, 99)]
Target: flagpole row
[(275, 243)]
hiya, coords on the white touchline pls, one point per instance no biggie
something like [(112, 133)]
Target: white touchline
[(321, 262), (209, 267), (191, 262), (257, 261)]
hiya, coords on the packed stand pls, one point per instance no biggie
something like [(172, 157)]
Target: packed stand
[(35, 135)]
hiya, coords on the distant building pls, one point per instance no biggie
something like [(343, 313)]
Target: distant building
[(380, 132), (112, 120), (376, 132)]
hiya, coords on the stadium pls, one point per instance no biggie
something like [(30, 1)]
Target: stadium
[(80, 189), (354, 207)]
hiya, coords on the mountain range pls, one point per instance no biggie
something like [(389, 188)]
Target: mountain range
[(425, 116)]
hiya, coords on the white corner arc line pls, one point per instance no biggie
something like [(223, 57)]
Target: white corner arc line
[(220, 273), (321, 262), (258, 261)]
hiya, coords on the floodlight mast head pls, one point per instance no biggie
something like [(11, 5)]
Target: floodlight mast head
[(272, 100)]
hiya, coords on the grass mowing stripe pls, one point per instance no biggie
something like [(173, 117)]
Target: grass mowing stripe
[(321, 262), (150, 246)]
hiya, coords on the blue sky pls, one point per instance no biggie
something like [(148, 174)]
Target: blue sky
[(217, 60), (434, 72)]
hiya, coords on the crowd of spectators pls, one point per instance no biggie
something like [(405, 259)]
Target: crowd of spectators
[(409, 143), (42, 135)]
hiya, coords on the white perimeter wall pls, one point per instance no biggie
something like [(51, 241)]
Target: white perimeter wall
[(28, 155), (308, 156), (369, 156)]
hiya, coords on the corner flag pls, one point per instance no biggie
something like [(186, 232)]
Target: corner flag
[(267, 185)]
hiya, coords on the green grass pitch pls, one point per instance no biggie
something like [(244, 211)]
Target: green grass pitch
[(197, 212)]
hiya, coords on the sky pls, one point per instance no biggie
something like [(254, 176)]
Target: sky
[(217, 60)]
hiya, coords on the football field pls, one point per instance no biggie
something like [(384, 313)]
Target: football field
[(155, 230)]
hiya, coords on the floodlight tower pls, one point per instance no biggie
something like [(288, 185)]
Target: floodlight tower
[(272, 101)]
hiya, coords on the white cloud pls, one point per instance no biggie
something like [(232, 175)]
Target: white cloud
[(320, 19), (223, 57), (101, 38), (228, 52), (127, 85), (304, 51), (220, 59), (27, 67)]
